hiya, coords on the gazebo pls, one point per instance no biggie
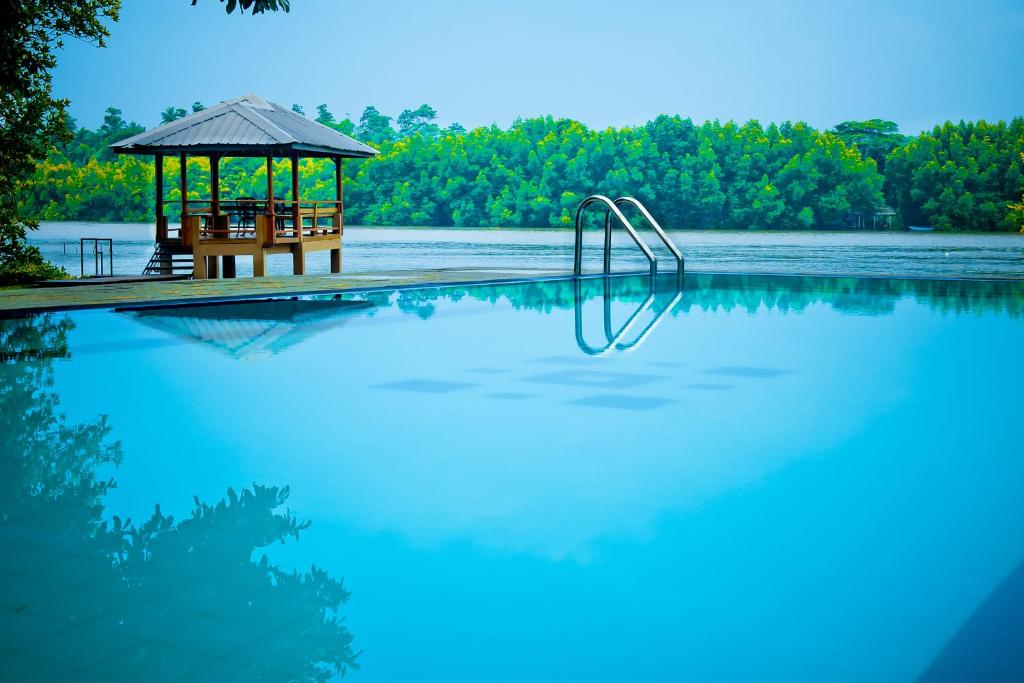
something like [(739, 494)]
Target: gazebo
[(215, 230)]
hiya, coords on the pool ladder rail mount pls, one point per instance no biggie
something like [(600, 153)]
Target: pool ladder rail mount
[(613, 209)]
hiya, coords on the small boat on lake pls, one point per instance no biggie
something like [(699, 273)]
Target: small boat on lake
[(920, 228)]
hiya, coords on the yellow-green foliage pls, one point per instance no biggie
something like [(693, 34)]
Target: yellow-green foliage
[(959, 176), (1017, 210), (718, 175)]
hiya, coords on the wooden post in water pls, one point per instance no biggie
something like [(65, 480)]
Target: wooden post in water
[(161, 226)]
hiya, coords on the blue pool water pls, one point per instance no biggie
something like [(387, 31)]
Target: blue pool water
[(763, 478)]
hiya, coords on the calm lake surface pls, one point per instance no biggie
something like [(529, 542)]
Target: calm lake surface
[(378, 248)]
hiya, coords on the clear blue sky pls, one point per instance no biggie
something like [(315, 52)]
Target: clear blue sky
[(604, 63)]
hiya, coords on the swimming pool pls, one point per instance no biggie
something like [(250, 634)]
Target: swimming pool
[(752, 478)]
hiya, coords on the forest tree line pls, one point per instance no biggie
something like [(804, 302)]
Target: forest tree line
[(958, 176)]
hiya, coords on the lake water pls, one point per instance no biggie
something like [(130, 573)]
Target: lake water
[(376, 248)]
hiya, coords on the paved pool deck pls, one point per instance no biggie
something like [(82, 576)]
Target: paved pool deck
[(28, 300)]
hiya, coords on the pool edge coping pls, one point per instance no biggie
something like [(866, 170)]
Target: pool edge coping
[(23, 311)]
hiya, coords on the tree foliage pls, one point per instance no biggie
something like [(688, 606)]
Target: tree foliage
[(172, 114), (1017, 209), (31, 32), (534, 173), (959, 176), (257, 6), (874, 138)]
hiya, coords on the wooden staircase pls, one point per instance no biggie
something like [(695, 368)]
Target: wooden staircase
[(170, 259)]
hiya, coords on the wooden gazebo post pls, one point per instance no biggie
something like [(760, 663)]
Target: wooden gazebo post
[(184, 198), (340, 216), (227, 259), (271, 216), (161, 227), (298, 253), (211, 261)]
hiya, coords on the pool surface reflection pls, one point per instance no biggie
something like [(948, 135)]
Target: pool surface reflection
[(743, 478)]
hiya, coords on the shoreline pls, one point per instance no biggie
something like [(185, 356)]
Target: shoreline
[(590, 229)]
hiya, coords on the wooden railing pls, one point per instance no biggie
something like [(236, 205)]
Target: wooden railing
[(244, 218), (306, 219)]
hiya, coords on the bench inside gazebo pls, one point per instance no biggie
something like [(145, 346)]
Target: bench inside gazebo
[(215, 231)]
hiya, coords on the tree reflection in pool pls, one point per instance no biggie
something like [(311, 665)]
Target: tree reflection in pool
[(89, 596)]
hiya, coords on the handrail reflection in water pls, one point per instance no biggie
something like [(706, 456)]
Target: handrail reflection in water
[(615, 339)]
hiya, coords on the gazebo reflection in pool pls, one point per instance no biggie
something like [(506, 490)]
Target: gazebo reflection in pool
[(250, 330), (214, 231)]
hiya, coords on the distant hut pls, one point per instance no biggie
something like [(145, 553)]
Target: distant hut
[(883, 218), (215, 230)]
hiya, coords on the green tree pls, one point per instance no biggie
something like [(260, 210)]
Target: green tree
[(534, 173), (323, 115), (419, 121), (88, 144), (31, 32), (374, 127), (1017, 209), (959, 176), (198, 107), (875, 138), (172, 114), (297, 108)]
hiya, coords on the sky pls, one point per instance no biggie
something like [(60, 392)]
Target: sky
[(604, 63)]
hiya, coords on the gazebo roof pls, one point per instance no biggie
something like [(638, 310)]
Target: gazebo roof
[(245, 126)]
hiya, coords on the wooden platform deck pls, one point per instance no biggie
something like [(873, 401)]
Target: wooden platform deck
[(23, 301), (103, 281)]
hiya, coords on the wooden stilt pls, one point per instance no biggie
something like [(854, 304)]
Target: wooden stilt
[(229, 266), (298, 259), (198, 266), (212, 267)]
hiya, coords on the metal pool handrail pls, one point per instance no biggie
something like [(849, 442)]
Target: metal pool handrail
[(610, 209), (669, 244)]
